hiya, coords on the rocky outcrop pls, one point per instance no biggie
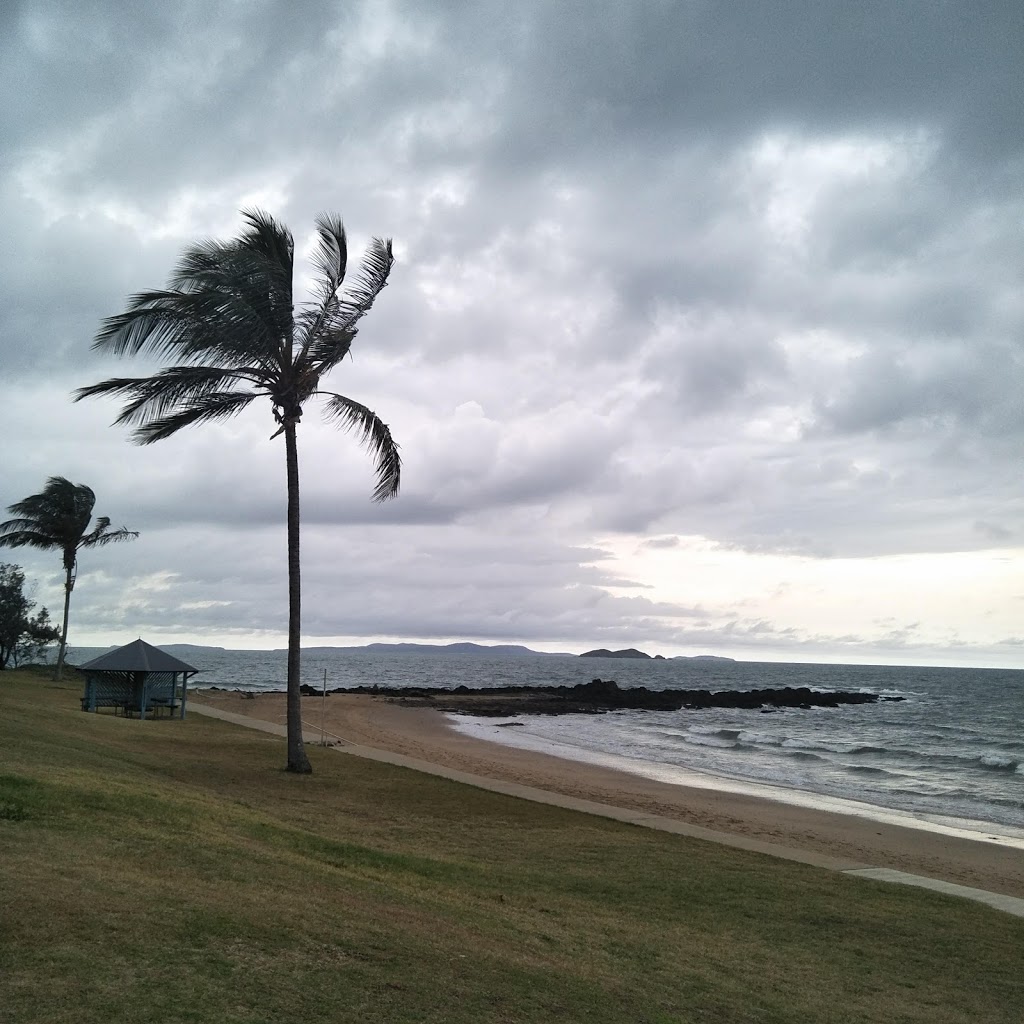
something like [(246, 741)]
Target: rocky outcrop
[(599, 696)]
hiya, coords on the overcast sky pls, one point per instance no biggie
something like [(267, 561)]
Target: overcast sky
[(705, 333)]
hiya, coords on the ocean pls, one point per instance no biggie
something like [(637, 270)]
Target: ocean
[(950, 756)]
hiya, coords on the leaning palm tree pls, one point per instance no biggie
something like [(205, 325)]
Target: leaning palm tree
[(57, 519), (228, 325)]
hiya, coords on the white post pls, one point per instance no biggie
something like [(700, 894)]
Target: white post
[(323, 713)]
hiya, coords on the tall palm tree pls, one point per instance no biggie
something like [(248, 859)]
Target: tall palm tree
[(57, 519), (228, 325)]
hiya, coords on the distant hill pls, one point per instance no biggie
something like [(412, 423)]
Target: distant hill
[(497, 650), (84, 654), (701, 657), (187, 648), (81, 655)]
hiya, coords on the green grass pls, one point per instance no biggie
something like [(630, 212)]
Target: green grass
[(169, 871)]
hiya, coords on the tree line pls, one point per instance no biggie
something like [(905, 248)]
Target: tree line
[(24, 637)]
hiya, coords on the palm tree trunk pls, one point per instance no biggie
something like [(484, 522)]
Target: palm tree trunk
[(297, 760), (68, 584)]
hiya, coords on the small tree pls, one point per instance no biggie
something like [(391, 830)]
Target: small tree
[(22, 635), (58, 519), (39, 633)]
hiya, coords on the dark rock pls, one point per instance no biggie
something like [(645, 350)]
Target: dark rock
[(602, 695)]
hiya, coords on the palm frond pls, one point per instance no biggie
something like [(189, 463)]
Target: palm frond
[(265, 249), (57, 517), (217, 405), (370, 280), (59, 508), (335, 334), (330, 258), (313, 323), (175, 387), (227, 302), (102, 535), (231, 324), (329, 346), (20, 533), (327, 329), (265, 258), (57, 498), (148, 323), (113, 386), (271, 239), (177, 397), (375, 435)]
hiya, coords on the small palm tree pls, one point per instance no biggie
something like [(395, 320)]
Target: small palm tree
[(229, 326), (57, 519)]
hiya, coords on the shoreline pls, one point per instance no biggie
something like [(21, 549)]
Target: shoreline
[(429, 736), (976, 829)]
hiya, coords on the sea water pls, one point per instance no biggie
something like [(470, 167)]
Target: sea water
[(951, 753)]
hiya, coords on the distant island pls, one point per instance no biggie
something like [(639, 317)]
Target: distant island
[(629, 652), (701, 657), (632, 652)]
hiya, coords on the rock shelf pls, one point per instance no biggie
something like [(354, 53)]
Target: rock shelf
[(600, 696)]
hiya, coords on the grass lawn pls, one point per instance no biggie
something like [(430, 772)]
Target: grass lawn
[(170, 871)]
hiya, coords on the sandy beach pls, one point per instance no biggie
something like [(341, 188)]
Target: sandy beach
[(427, 735)]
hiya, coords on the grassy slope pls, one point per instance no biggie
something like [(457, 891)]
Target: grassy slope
[(168, 871)]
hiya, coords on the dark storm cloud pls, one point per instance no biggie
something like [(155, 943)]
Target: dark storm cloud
[(644, 72)]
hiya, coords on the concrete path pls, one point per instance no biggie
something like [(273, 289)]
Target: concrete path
[(1009, 904)]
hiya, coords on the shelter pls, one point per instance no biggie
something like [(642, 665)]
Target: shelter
[(137, 678)]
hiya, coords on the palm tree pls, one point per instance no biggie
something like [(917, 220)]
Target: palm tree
[(58, 518), (228, 325)]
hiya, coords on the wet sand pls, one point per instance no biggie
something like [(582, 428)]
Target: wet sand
[(427, 735)]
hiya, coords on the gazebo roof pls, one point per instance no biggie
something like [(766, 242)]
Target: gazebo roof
[(138, 656)]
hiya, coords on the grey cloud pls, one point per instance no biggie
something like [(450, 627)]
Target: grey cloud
[(210, 580), (617, 307), (993, 531), (718, 364), (650, 75), (935, 384)]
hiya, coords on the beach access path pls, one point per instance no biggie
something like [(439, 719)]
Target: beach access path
[(423, 740)]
